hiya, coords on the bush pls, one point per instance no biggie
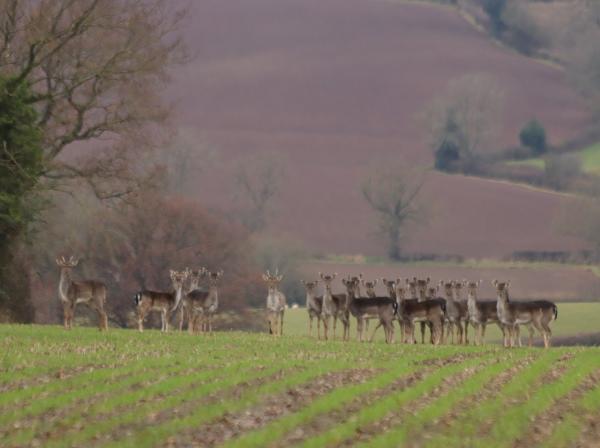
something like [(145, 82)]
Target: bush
[(533, 136), (447, 156), (494, 9), (562, 170), (521, 30)]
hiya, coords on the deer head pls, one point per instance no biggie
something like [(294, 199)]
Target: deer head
[(70, 263)]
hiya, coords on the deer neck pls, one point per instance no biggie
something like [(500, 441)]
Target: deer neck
[(472, 302), (310, 298), (64, 284), (178, 294), (212, 292)]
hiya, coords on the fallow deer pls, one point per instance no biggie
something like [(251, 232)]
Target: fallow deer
[(71, 293), (429, 312), (369, 293), (481, 312), (382, 308), (421, 286), (276, 303), (539, 313), (334, 306), (314, 306), (458, 287), (194, 277), (204, 304), (165, 302), (457, 312)]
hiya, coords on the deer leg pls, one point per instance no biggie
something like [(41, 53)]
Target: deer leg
[(281, 324), (466, 332), (422, 332), (66, 312), (325, 326), (459, 331), (380, 324), (310, 323), (531, 333), (547, 334), (334, 326)]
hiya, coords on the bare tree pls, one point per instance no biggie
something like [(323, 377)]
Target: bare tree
[(392, 190), (257, 179), (469, 114), (97, 69)]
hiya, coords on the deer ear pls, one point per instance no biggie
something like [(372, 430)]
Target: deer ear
[(398, 280), (375, 282), (321, 275), (508, 283), (479, 282), (407, 281), (428, 280), (441, 282), (334, 275), (344, 281), (495, 282)]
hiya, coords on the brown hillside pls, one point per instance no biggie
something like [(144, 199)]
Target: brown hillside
[(335, 84)]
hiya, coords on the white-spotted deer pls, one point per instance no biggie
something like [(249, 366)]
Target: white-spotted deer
[(481, 312), (538, 313), (382, 308), (428, 312), (164, 302), (204, 304), (71, 293), (334, 307), (457, 312), (314, 306), (276, 303), (194, 279)]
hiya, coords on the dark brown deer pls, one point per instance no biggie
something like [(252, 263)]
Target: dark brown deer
[(382, 308), (428, 312), (539, 313), (165, 302), (194, 278), (71, 293), (314, 306)]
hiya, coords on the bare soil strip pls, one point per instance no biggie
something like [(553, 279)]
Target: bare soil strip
[(233, 425), (590, 434), (541, 427)]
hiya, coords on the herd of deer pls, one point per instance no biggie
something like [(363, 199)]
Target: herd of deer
[(441, 315), (426, 308)]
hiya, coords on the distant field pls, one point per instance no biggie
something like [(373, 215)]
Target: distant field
[(125, 389)]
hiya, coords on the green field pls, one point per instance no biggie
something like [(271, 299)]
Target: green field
[(589, 157), (123, 388)]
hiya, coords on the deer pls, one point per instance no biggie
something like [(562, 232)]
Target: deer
[(430, 312), (457, 312), (539, 313), (276, 302), (204, 304), (369, 292), (383, 308), (164, 302), (194, 278), (71, 293), (421, 289), (334, 306), (458, 287), (314, 306), (481, 312)]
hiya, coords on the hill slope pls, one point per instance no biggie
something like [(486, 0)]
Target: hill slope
[(335, 84)]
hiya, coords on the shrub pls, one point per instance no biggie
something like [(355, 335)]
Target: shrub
[(533, 136), (447, 156), (562, 170)]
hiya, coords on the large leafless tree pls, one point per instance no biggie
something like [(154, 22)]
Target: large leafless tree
[(98, 69), (393, 190)]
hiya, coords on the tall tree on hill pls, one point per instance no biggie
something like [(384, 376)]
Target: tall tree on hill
[(392, 190)]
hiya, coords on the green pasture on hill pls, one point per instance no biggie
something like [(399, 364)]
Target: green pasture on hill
[(123, 388), (589, 157)]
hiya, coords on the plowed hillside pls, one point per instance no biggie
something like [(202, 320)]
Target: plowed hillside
[(335, 84)]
